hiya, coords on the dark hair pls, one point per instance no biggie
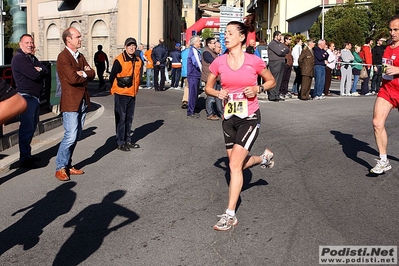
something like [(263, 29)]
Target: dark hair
[(241, 28), (394, 18), (297, 40), (345, 44), (25, 35), (368, 39), (208, 40), (99, 47), (287, 36), (276, 33)]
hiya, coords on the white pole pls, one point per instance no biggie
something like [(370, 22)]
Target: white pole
[(322, 22)]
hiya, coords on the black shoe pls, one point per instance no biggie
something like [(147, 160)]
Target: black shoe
[(281, 99), (132, 145), (123, 147), (184, 105), (29, 165), (193, 116)]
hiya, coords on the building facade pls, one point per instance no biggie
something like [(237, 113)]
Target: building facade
[(105, 22)]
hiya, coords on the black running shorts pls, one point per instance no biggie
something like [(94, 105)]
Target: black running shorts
[(241, 131)]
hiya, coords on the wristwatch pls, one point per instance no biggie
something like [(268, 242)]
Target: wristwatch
[(261, 89)]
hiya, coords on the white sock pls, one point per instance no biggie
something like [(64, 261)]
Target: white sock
[(383, 157), (231, 212)]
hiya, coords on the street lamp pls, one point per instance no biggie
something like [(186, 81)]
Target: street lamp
[(148, 25)]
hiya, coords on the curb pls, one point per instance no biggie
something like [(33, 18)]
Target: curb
[(11, 139)]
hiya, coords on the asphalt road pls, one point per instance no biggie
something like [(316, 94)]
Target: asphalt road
[(157, 205)]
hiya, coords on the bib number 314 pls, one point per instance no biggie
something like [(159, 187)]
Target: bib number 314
[(236, 105)]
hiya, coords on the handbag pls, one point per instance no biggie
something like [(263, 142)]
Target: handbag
[(363, 73), (124, 82)]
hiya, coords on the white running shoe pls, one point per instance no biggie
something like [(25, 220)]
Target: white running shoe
[(381, 166), (225, 223), (268, 159)]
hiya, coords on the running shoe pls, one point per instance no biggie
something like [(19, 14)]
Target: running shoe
[(381, 166), (268, 159), (225, 223)]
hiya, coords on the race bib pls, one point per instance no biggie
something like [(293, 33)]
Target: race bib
[(237, 104)]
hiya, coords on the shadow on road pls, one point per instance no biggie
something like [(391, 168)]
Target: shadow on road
[(352, 146), (91, 227), (223, 163), (141, 132), (27, 230), (45, 157)]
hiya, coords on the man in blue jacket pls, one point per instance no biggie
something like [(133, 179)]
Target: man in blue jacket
[(176, 66), (194, 68), (320, 57), (159, 55), (28, 74)]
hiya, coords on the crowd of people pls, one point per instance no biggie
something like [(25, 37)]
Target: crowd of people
[(229, 96)]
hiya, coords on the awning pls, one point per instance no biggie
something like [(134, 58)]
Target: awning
[(303, 22)]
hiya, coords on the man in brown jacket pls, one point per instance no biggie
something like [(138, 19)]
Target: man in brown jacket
[(74, 73)]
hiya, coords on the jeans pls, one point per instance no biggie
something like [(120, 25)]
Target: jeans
[(209, 103), (320, 79), (124, 113), (150, 77), (73, 125), (354, 85), (175, 77), (27, 127)]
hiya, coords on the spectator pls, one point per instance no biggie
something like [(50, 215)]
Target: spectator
[(176, 66), (140, 54), (276, 52), (29, 75), (377, 53), (287, 69), (331, 64), (296, 52), (74, 73), (159, 55), (102, 64), (208, 56), (149, 67), (320, 56), (346, 69), (125, 81), (194, 68), (356, 67), (251, 47), (366, 56), (184, 82), (306, 63)]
